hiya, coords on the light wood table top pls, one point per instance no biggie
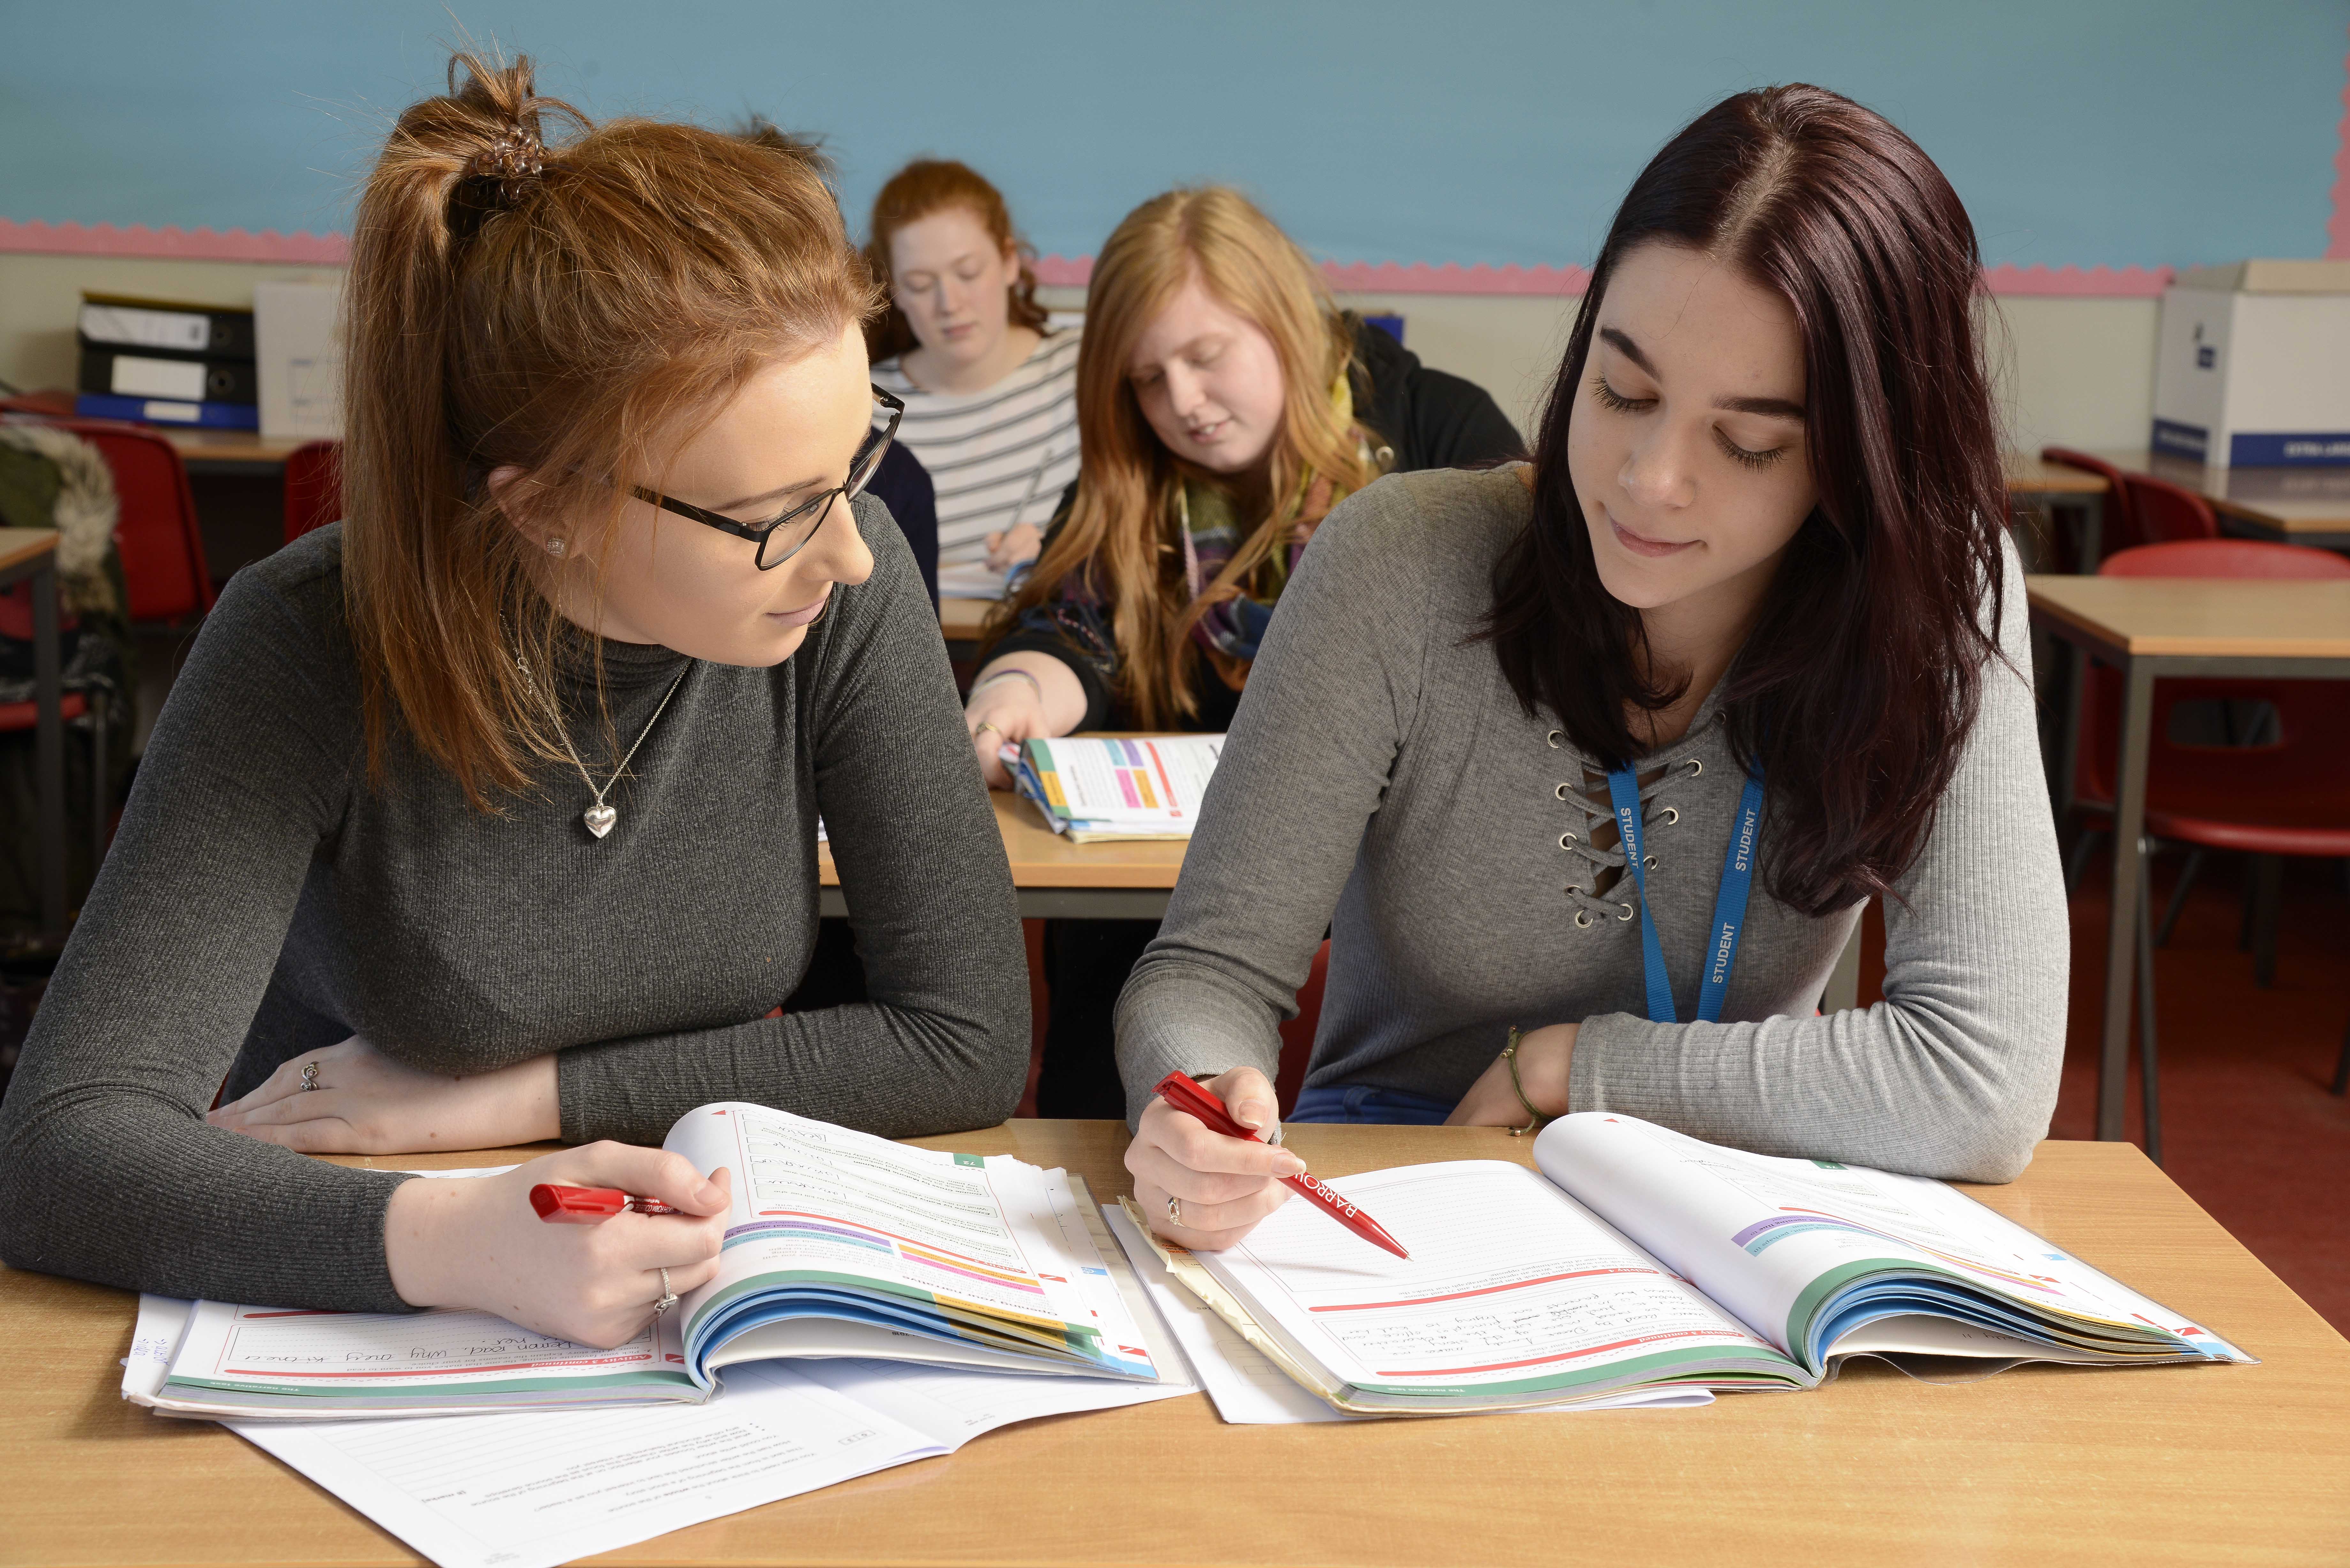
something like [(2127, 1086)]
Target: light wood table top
[(20, 545), (2026, 472), (1041, 857), (963, 619), (202, 446), (2186, 1465), (2201, 617), (2290, 500)]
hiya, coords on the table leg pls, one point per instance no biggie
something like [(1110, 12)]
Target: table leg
[(49, 750), (2121, 928), (2093, 535), (2068, 749)]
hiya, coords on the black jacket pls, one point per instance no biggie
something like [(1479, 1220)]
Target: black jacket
[(1417, 417)]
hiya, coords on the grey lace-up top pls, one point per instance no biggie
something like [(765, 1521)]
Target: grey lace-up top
[(1382, 780)]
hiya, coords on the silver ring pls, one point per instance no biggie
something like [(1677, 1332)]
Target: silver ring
[(667, 1297), (309, 1075), (1174, 1210)]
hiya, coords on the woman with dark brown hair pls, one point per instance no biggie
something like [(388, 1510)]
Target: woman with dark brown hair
[(488, 814), (1525, 740)]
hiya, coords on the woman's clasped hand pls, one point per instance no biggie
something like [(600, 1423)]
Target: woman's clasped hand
[(351, 1098)]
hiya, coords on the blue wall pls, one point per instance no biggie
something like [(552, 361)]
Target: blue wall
[(2079, 132)]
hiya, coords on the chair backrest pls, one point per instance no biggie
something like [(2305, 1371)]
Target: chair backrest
[(2312, 734), (2119, 529), (1297, 1035), (162, 548), (2167, 513), (314, 487)]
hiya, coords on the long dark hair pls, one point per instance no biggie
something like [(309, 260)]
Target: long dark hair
[(1860, 681)]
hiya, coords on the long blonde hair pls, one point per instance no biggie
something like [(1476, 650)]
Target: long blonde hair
[(1121, 537), (564, 309)]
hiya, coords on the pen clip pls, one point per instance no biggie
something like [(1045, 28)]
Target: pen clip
[(1186, 1094)]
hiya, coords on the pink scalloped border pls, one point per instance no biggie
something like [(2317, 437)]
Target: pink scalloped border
[(2337, 232), (1348, 277), (174, 243)]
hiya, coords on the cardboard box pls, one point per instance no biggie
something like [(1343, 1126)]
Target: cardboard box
[(298, 351), (2252, 365)]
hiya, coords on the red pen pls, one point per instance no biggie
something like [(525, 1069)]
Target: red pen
[(591, 1205), (1186, 1094)]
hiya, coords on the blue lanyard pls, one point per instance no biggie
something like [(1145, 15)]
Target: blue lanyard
[(1728, 904)]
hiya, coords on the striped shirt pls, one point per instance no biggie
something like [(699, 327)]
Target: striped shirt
[(997, 457)]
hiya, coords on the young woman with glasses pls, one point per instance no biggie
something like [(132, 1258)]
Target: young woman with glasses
[(489, 815)]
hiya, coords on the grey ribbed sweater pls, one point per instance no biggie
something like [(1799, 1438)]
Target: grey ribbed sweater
[(1381, 779), (261, 900)]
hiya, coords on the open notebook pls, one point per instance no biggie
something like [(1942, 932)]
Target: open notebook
[(840, 1244), (1642, 1259), (1149, 787)]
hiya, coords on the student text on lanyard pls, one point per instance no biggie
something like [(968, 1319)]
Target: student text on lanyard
[(1728, 904)]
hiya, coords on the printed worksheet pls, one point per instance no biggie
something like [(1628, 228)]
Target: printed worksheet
[(533, 1490), (1147, 779), (1512, 1288)]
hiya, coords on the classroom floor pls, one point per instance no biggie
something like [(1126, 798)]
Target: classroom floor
[(2249, 1129)]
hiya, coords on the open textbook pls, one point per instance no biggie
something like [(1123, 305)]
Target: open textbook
[(535, 1487), (1640, 1259), (1149, 787), (840, 1245)]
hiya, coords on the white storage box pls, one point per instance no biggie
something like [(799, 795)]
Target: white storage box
[(299, 356), (2252, 365)]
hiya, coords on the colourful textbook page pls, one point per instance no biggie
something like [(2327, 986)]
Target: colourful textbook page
[(1824, 1259), (1514, 1295), (846, 1244), (1148, 780), (268, 1361)]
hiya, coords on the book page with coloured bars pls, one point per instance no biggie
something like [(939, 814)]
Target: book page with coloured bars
[(1146, 780), (968, 1244), (1776, 1240), (1515, 1295)]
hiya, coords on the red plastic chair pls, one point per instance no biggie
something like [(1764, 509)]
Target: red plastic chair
[(1297, 1035), (16, 621), (314, 487), (2164, 513), (2282, 796), (2119, 530), (162, 548)]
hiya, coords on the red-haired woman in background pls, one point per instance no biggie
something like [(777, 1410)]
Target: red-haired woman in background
[(1526, 740), (989, 392)]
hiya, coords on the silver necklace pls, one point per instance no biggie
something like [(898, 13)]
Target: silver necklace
[(599, 817)]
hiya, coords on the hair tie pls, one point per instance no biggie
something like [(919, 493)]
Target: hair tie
[(506, 166)]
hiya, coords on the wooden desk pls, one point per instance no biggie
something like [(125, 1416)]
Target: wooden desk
[(31, 553), (2149, 627), (1058, 880), (2031, 480), (962, 620), (229, 452), (2178, 1465), (2288, 505)]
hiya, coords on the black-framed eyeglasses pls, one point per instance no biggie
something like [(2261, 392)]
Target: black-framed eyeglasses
[(781, 538)]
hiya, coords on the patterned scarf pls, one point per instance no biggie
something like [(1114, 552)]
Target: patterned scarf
[(1233, 626)]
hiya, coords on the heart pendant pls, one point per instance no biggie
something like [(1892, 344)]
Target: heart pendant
[(599, 819)]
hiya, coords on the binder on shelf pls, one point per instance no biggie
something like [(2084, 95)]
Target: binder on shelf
[(129, 321), (170, 412), (108, 371)]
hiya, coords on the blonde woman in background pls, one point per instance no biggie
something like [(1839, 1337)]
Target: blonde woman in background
[(1226, 404), (990, 393)]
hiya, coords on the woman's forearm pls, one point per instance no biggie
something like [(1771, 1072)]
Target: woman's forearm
[(1058, 691)]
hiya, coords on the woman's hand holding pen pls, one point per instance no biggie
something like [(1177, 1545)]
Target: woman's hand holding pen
[(1221, 1185), (1013, 546), (354, 1100), (476, 1243)]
